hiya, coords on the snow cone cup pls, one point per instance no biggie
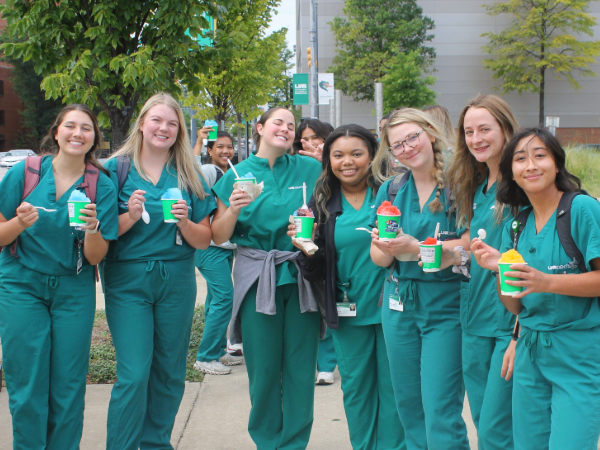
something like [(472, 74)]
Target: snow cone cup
[(304, 227), (244, 181), (212, 135), (167, 205), (74, 213), (388, 226), (506, 289), (431, 256)]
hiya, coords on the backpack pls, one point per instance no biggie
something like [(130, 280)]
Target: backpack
[(400, 180), (563, 228), (33, 166)]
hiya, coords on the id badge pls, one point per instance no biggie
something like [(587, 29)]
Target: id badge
[(79, 258), (346, 309), (395, 303), (178, 239)]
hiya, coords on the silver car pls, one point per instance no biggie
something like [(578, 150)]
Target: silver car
[(14, 156)]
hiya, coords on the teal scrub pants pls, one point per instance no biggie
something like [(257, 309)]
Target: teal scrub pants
[(215, 265), (490, 395), (424, 348), (149, 309), (281, 358), (556, 390), (367, 385), (326, 359), (46, 327)]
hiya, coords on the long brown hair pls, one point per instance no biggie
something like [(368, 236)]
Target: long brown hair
[(432, 128), (180, 154), (465, 173), (49, 144)]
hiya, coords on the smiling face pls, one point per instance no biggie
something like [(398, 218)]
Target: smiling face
[(309, 135), (350, 160), (221, 151), (75, 135), (483, 136), (160, 127), (278, 131), (533, 166), (421, 156)]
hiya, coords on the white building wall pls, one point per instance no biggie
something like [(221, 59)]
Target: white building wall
[(460, 73)]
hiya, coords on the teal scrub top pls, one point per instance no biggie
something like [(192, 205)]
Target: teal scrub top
[(264, 223), (354, 264), (482, 313), (544, 252), (155, 241), (421, 225), (50, 245)]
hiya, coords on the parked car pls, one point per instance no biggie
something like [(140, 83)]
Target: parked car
[(588, 147), (14, 156)]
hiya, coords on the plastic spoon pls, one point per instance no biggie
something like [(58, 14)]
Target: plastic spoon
[(364, 229), (304, 206), (145, 215), (47, 210), (437, 231), (482, 234)]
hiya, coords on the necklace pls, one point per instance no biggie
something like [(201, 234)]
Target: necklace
[(346, 194), (65, 178)]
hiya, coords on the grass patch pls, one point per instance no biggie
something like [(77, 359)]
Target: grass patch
[(103, 364), (585, 165)]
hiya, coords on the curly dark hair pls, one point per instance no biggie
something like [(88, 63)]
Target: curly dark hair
[(509, 192), (321, 129), (328, 182)]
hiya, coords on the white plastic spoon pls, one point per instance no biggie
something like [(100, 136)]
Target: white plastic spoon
[(304, 206), (47, 210), (364, 229), (145, 215), (482, 234)]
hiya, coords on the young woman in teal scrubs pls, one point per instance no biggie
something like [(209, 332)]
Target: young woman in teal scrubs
[(485, 125), (48, 298), (280, 326), (420, 315), (343, 201), (149, 276), (556, 387)]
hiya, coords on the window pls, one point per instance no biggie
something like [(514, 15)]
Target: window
[(1, 117), (1, 88)]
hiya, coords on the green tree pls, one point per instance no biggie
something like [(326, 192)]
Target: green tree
[(38, 113), (404, 85), (113, 54), (240, 83), (544, 36), (373, 33)]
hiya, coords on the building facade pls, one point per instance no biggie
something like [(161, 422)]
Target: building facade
[(459, 25)]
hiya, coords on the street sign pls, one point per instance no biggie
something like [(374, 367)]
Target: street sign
[(326, 88), (300, 81)]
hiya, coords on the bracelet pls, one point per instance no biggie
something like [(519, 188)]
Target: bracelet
[(465, 262), (95, 230), (494, 273)]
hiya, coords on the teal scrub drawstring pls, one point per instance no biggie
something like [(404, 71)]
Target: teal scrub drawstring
[(51, 283), (409, 292), (531, 341), (164, 273)]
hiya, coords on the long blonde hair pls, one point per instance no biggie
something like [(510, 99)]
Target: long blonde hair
[(180, 154), (465, 173), (433, 129)]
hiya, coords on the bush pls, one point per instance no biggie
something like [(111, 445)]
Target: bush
[(103, 364), (585, 165)]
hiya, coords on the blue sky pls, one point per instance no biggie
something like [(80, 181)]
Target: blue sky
[(286, 17)]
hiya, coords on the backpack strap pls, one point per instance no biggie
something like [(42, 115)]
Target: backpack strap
[(563, 229), (90, 182), (518, 225), (397, 182), (123, 166), (219, 174), (33, 170)]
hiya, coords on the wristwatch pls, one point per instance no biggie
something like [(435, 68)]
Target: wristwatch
[(465, 262), (95, 230)]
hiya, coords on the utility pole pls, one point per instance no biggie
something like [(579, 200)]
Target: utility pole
[(338, 108), (314, 72), (378, 105)]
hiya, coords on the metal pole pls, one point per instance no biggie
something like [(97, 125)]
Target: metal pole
[(338, 108), (378, 105), (332, 110), (193, 130), (314, 74)]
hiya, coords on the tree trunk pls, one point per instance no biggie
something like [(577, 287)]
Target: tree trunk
[(120, 128), (542, 97), (241, 155)]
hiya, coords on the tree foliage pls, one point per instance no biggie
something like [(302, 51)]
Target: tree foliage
[(241, 83), (404, 85), (38, 113), (544, 36), (115, 53), (372, 35)]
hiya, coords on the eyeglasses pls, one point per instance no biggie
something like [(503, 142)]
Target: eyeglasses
[(412, 140)]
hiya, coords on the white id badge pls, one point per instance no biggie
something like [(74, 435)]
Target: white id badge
[(346, 309), (395, 303)]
